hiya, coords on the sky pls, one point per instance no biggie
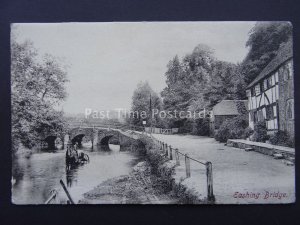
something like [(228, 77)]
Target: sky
[(106, 61)]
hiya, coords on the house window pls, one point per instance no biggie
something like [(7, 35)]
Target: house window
[(248, 93), (252, 92), (290, 69), (275, 110), (269, 112), (260, 116), (262, 86), (251, 116), (255, 117), (265, 84), (257, 89), (269, 82), (276, 77), (290, 109), (287, 71)]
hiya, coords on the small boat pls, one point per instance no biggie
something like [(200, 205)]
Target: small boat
[(75, 158)]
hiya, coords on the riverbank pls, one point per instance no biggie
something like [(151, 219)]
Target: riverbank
[(139, 187), (152, 181)]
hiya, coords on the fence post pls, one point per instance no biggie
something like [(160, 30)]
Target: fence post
[(171, 153), (166, 148), (210, 193), (177, 157), (187, 165)]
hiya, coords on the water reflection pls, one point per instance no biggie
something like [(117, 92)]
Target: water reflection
[(38, 175), (71, 175)]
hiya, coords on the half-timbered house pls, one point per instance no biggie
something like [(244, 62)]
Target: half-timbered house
[(271, 94)]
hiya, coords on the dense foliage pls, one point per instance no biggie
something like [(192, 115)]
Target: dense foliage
[(264, 40), (282, 138), (235, 128), (260, 132), (37, 86), (201, 127), (199, 81), (144, 101)]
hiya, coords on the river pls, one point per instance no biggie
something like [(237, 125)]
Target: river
[(36, 176)]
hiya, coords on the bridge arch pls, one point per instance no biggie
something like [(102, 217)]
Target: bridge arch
[(50, 140), (77, 134), (105, 140), (77, 139), (104, 136)]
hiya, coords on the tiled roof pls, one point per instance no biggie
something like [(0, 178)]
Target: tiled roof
[(284, 53), (229, 107)]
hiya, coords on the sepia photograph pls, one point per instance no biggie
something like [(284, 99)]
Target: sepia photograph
[(152, 113)]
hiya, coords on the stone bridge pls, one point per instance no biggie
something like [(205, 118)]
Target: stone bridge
[(97, 136)]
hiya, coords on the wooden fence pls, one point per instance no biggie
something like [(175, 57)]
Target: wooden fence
[(156, 130), (175, 154)]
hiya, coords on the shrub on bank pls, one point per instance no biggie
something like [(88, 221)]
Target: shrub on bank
[(260, 132), (201, 127), (193, 126), (282, 138), (185, 126), (235, 128), (248, 132)]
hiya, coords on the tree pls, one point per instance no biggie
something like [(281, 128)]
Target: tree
[(36, 87), (200, 81), (175, 93), (186, 82), (144, 101), (51, 80), (264, 40), (221, 85)]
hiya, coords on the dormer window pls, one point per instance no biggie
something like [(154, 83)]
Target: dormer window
[(252, 92), (257, 89), (269, 82), (248, 93), (265, 84)]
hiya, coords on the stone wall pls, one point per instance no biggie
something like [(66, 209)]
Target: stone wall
[(266, 149)]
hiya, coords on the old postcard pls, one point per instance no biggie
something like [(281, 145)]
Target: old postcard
[(152, 113)]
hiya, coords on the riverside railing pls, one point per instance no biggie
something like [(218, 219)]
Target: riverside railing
[(174, 154)]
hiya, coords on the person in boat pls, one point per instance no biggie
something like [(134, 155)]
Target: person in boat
[(83, 157), (71, 154)]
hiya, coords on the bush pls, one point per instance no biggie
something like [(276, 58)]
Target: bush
[(282, 138), (248, 132), (201, 127), (235, 128), (260, 132), (184, 125)]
